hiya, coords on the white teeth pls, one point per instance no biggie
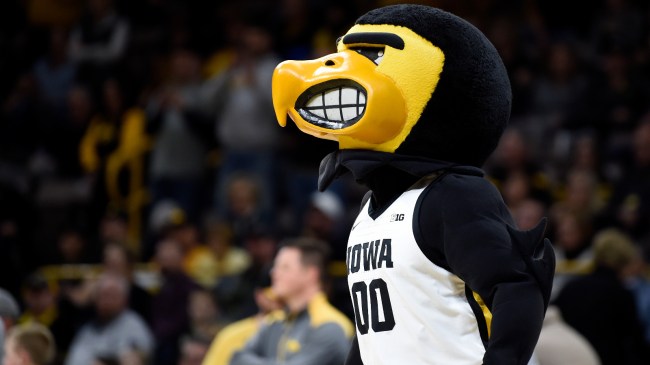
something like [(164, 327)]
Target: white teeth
[(349, 113), (348, 96), (332, 97), (337, 105), (333, 114), (318, 112), (315, 102)]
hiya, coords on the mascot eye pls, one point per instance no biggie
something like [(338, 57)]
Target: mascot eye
[(374, 54)]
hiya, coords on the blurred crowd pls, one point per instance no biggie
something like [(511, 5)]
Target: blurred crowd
[(142, 172)]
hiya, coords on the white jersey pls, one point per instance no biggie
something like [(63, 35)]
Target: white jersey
[(407, 309)]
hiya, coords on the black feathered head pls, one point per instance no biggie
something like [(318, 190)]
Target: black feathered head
[(406, 79)]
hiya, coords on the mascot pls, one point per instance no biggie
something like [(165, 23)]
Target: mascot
[(417, 99)]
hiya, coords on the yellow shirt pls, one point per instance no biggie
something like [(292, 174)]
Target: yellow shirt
[(230, 340)]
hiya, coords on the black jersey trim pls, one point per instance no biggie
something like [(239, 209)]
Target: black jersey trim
[(429, 249), (375, 213)]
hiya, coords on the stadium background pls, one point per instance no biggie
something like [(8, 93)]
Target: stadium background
[(133, 122)]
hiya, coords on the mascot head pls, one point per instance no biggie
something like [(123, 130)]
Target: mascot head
[(407, 79)]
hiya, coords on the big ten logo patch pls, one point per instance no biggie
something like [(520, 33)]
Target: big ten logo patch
[(396, 217)]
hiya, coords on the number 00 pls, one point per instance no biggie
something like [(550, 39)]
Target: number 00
[(378, 293)]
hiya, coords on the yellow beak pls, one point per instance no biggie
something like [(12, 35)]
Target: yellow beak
[(341, 97)]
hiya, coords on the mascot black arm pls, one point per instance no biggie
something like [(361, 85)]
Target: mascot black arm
[(467, 232)]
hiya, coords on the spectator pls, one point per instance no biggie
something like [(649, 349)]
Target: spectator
[(193, 350), (9, 313), (63, 314), (119, 260), (619, 23), (13, 261), (559, 344), (170, 318), (528, 214), (573, 252), (555, 94), (63, 138), (240, 100), (236, 292), (115, 332), (29, 344), (98, 42), (9, 309), (324, 220), (2, 340), (600, 307), (580, 195), (72, 248), (40, 301), (55, 74), (113, 228), (514, 170), (244, 205), (629, 206), (205, 319), (311, 331), (223, 257), (163, 217), (635, 279), (196, 255), (234, 336), (178, 154)]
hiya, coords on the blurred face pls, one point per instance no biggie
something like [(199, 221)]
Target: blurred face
[(185, 67), (256, 40), (112, 97), (114, 229), (187, 236), (202, 308), (13, 355), (261, 249), (169, 256), (512, 149), (242, 197), (528, 214), (290, 277), (115, 261), (569, 235), (79, 105), (580, 190), (515, 189), (192, 354), (561, 61), (219, 241), (585, 154), (71, 246), (111, 299), (319, 223), (38, 301)]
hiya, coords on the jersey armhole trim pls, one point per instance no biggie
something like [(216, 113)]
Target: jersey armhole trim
[(481, 312), (417, 230)]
